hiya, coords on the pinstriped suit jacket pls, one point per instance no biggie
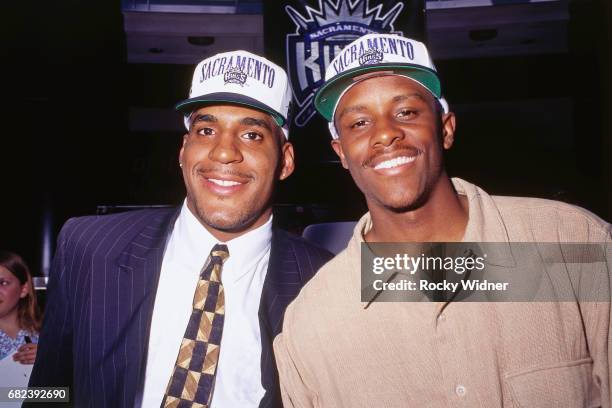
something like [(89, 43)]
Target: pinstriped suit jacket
[(100, 303)]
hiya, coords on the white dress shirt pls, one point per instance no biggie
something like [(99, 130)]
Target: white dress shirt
[(238, 379)]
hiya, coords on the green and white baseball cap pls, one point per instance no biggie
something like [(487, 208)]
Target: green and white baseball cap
[(393, 54), (242, 78)]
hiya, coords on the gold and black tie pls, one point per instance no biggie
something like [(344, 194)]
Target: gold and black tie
[(193, 378)]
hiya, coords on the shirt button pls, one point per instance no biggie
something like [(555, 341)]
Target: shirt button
[(460, 390), (441, 317)]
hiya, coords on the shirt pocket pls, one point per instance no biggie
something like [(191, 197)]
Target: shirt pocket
[(566, 384)]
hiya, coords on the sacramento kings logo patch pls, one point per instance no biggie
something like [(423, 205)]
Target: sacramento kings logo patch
[(234, 75), (371, 56), (320, 35)]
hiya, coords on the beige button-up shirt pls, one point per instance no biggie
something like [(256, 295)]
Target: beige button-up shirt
[(336, 352)]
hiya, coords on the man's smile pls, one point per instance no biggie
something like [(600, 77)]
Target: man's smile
[(223, 183), (394, 161)]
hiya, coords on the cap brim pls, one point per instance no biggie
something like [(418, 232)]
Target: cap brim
[(188, 105), (327, 96)]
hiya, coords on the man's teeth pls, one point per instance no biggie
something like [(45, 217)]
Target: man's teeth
[(224, 183), (398, 161)]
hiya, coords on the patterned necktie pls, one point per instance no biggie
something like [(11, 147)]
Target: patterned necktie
[(193, 379)]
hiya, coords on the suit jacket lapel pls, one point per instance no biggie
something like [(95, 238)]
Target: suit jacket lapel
[(282, 284), (141, 263), (283, 281)]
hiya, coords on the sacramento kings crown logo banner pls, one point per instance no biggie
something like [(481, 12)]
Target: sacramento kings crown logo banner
[(320, 34), (313, 33)]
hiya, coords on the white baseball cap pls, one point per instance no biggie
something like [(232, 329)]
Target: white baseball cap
[(393, 54), (242, 78)]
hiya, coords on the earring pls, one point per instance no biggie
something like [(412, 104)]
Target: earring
[(181, 165)]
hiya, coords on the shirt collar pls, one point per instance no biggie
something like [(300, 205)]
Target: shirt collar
[(247, 250), (244, 251), (485, 224)]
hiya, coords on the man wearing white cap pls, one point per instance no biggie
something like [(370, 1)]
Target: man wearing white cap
[(179, 307), (340, 347)]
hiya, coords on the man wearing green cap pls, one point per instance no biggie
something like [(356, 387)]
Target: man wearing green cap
[(390, 128)]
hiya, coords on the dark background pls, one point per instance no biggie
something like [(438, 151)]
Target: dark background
[(536, 125)]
